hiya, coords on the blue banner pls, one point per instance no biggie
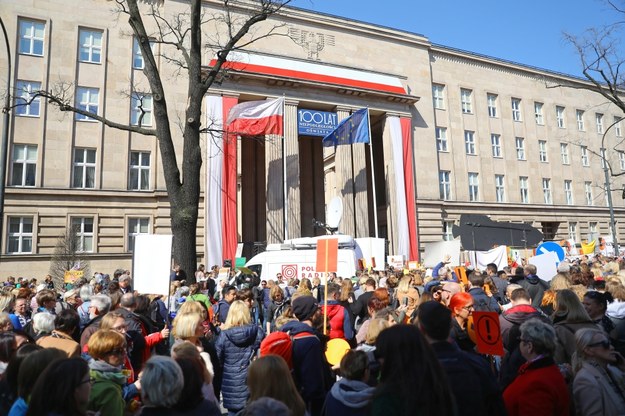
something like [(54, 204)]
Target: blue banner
[(315, 123)]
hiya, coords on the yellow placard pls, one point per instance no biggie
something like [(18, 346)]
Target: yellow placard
[(72, 275)]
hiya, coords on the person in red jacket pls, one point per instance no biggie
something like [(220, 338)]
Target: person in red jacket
[(338, 318), (539, 388)]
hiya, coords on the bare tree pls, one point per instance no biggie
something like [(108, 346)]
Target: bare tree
[(68, 255), (184, 38)]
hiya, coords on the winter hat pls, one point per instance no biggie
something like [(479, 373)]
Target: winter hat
[(304, 307)]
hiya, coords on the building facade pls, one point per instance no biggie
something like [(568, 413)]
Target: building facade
[(452, 132)]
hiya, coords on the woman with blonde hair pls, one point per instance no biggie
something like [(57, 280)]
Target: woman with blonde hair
[(406, 295), (569, 317), (599, 384), (269, 376), (237, 345)]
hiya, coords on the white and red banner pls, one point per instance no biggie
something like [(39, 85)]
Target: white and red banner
[(406, 223), (220, 198), (256, 118)]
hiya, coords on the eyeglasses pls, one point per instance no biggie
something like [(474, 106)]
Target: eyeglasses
[(603, 344), (118, 351), (468, 308)]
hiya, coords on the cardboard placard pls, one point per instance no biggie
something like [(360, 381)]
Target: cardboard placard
[(487, 333), (151, 263), (327, 255), (72, 275)]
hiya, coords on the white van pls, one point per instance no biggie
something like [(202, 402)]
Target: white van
[(297, 258)]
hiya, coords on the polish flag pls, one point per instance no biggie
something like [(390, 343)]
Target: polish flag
[(256, 118)]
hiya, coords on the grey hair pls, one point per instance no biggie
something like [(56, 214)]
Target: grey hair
[(541, 334), (583, 338), (6, 302), (43, 322), (162, 382), (86, 292), (102, 303), (124, 278)]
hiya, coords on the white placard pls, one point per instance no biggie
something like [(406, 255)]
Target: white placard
[(436, 252), (151, 263), (396, 261), (546, 265)]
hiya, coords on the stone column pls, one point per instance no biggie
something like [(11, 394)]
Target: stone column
[(344, 180), (274, 184), (291, 152)]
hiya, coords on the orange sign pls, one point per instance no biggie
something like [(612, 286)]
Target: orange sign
[(327, 255), (487, 333), (461, 272)]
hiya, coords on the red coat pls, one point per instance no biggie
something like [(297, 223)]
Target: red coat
[(340, 323), (538, 390)]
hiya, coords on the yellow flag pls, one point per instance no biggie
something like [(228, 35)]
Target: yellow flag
[(588, 248)]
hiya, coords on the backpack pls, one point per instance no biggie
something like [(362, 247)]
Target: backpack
[(281, 343)]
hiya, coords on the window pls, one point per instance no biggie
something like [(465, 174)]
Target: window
[(588, 192), (90, 46), (24, 165), (87, 99), (137, 226), (492, 105), (438, 96), (524, 189), (137, 58), (139, 177), (469, 142), (448, 235), (621, 159), (516, 109), (141, 110), (20, 235), (560, 116), (83, 173), (465, 99), (568, 192), (592, 227), (585, 159), (474, 187), (542, 151), (599, 120), (538, 113), (444, 184), (617, 127), (579, 115), (500, 188), (83, 230), (547, 191), (31, 37), (520, 148), (495, 141), (573, 231), (441, 139), (564, 153), (26, 104)]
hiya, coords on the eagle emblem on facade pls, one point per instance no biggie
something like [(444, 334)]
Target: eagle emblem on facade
[(311, 42)]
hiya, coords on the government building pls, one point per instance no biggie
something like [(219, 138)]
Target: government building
[(452, 132)]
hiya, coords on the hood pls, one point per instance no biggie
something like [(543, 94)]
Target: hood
[(532, 279), (102, 371), (616, 310), (333, 309), (352, 393), (521, 313), (242, 336), (296, 327)]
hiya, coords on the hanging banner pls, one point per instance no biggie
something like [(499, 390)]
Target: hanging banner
[(315, 123)]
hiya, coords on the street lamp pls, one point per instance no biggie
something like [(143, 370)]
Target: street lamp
[(4, 144)]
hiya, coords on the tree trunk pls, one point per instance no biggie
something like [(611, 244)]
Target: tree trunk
[(184, 228)]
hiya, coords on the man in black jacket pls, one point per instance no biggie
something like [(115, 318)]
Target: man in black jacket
[(472, 383)]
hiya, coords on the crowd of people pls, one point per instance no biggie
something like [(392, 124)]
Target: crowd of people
[(247, 346)]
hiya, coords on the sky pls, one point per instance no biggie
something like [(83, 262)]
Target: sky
[(529, 32)]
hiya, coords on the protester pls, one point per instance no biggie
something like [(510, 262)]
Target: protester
[(237, 344), (62, 389), (539, 389), (188, 351), (412, 381), (191, 400), (596, 304), (66, 325), (162, 383), (108, 349), (461, 306), (599, 385), (569, 317), (269, 376), (338, 318), (351, 395)]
